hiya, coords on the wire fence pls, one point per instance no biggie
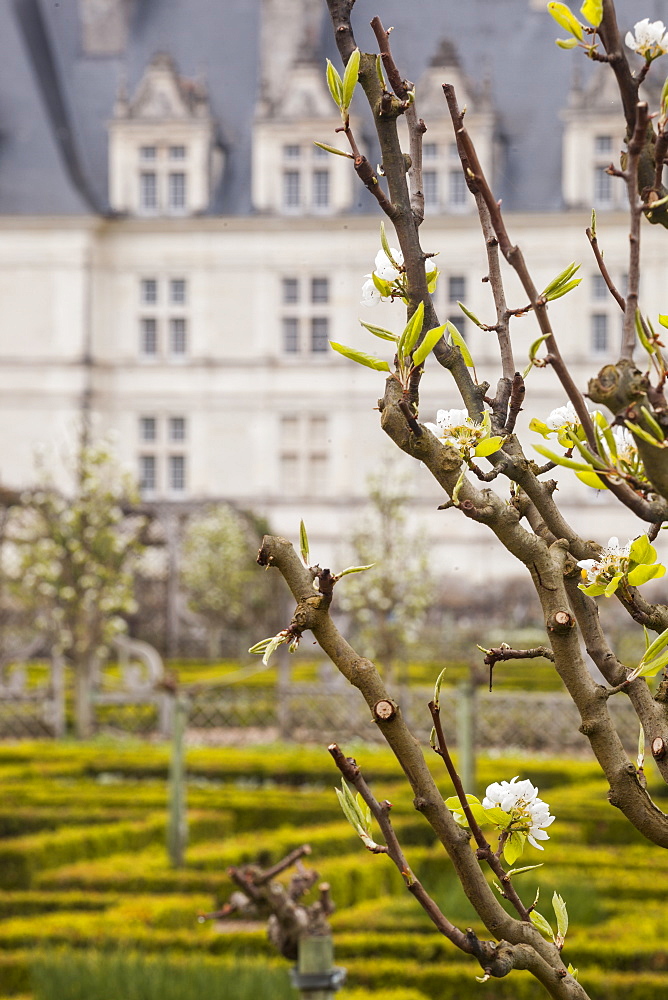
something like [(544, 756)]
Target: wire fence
[(328, 710)]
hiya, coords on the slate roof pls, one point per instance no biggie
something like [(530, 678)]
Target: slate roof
[(55, 101)]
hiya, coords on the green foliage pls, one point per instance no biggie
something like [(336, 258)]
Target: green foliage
[(84, 896), (69, 975), (77, 555), (387, 605), (219, 574)]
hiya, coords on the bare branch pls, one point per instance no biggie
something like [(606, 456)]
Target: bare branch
[(593, 242)]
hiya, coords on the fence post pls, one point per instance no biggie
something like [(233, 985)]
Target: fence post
[(466, 734), (59, 720), (177, 826), (173, 530), (315, 976)]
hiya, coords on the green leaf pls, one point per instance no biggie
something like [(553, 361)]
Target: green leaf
[(532, 352), (563, 16), (613, 585), (260, 646), (354, 569), (566, 43), (572, 971), (539, 921), (540, 428), (497, 817), (379, 71), (333, 149), (563, 289), (423, 350), (471, 316), (488, 446), (456, 338), (458, 488), (649, 667), (351, 808), (513, 847), (536, 344), (642, 433), (384, 287), (663, 319), (593, 590), (642, 550), (641, 574), (479, 814), (303, 543), (379, 331), (561, 279), (642, 336), (437, 690), (603, 429), (364, 811), (592, 10), (592, 480), (385, 244), (655, 427), (350, 77), (659, 643), (454, 805), (335, 84), (561, 913), (360, 357), (411, 332), (569, 463), (593, 459), (527, 868)]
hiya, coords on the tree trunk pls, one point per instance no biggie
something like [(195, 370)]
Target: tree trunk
[(214, 640), (83, 702)]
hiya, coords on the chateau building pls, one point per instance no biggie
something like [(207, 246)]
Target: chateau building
[(176, 253)]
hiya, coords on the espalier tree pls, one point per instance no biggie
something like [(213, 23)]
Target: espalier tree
[(77, 557), (219, 576), (387, 605), (487, 475)]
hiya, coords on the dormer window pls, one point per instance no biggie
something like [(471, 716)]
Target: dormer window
[(162, 146), (443, 182), (291, 175), (592, 141)]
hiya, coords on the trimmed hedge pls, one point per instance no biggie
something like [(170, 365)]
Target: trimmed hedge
[(25, 904), (23, 857), (87, 885), (458, 980)]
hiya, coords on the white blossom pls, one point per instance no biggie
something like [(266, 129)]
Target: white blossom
[(611, 561), (370, 294), (563, 415), (455, 427), (627, 450), (650, 39), (384, 268), (528, 813)]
